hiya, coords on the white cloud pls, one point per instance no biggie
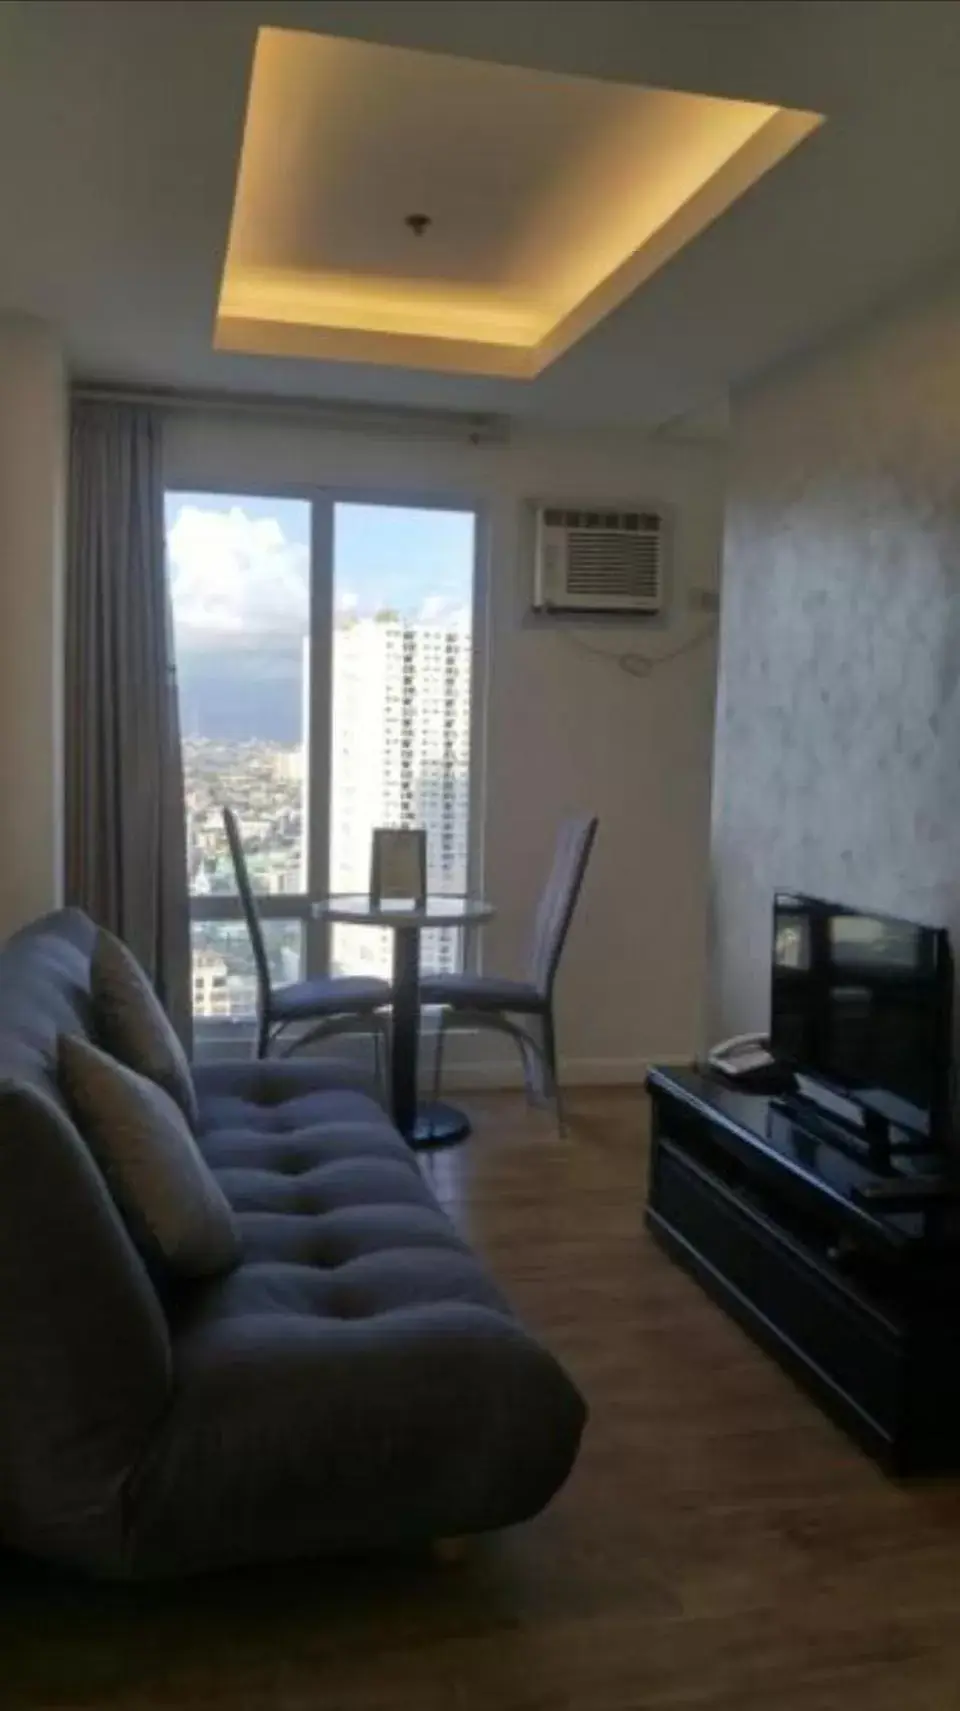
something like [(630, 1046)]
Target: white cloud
[(233, 574), (347, 601)]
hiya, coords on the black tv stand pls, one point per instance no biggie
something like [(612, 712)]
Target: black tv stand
[(843, 1266)]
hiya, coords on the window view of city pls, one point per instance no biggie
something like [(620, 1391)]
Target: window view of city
[(400, 716)]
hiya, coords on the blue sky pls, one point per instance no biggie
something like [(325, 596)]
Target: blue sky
[(388, 556), (240, 565)]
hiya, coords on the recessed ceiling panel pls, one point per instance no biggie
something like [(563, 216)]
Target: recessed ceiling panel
[(435, 212)]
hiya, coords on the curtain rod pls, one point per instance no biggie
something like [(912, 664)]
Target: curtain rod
[(343, 415)]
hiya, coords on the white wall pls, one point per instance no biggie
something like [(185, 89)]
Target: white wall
[(32, 496), (565, 731)]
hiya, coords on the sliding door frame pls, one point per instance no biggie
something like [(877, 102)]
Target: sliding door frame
[(317, 734)]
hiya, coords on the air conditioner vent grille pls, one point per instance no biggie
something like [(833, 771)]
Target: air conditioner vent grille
[(608, 563)]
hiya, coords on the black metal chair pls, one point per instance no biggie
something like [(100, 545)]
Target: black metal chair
[(488, 1001), (335, 1004)]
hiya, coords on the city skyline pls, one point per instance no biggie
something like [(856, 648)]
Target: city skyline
[(239, 571), (400, 755)]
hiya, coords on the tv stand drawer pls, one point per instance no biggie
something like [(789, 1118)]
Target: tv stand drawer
[(851, 1358)]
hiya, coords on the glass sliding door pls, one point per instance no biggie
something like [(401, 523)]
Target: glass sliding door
[(379, 598), (403, 580), (239, 569)]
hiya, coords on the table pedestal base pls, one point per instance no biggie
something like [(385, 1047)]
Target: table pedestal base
[(437, 1126)]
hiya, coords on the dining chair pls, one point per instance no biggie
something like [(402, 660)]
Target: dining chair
[(334, 1004), (489, 1001)]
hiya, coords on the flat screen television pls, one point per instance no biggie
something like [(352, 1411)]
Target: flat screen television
[(862, 1005)]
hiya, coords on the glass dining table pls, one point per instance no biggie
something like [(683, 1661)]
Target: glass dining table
[(422, 1126)]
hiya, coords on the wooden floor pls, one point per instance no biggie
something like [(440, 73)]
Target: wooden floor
[(720, 1545)]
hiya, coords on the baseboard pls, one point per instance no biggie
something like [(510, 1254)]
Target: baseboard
[(492, 1075), (463, 1072)]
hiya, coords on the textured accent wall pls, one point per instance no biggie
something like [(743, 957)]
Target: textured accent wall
[(837, 757)]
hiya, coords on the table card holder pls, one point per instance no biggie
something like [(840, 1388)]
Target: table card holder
[(398, 865)]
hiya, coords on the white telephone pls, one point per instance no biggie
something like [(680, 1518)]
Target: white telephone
[(744, 1054)]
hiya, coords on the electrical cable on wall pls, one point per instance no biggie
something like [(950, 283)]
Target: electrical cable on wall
[(636, 664)]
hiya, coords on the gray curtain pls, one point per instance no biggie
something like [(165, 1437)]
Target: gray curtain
[(125, 835)]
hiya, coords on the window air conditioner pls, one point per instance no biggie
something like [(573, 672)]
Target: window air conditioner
[(600, 561)]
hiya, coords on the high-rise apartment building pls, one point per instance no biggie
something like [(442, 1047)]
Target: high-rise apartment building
[(400, 757), (211, 994)]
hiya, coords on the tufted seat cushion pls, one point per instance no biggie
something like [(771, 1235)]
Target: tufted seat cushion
[(358, 1380), (276, 1094)]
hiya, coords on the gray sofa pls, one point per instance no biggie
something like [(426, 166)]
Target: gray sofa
[(358, 1382)]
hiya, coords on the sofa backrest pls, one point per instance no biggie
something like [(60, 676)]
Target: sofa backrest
[(84, 1345), (44, 991)]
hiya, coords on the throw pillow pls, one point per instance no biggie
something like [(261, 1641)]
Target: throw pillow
[(173, 1206), (132, 1025)]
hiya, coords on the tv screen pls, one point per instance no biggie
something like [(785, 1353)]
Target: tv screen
[(863, 1003)]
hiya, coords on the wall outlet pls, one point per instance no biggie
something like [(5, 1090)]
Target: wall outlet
[(704, 600)]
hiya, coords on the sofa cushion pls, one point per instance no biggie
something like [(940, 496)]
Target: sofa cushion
[(132, 1025), (84, 1350), (172, 1204), (268, 1093)]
